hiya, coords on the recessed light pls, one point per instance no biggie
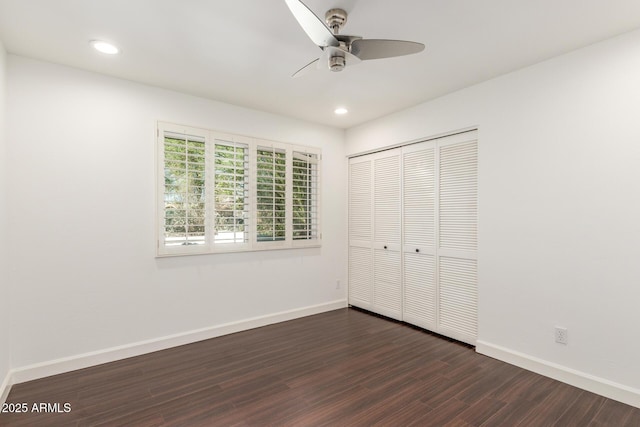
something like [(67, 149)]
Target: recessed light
[(104, 47), (341, 111)]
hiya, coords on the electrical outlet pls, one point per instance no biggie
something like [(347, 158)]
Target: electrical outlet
[(337, 284), (561, 335)]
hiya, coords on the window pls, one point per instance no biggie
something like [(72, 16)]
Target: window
[(231, 191), (184, 190), (271, 187), (226, 193), (305, 198)]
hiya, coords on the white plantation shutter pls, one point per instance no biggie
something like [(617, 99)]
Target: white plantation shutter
[(231, 192), (271, 194), (419, 200), (184, 196), (305, 196), (223, 193)]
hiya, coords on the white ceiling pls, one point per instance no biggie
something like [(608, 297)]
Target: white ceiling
[(244, 51)]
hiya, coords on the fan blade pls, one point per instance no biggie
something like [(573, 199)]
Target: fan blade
[(366, 49), (310, 66), (312, 25)]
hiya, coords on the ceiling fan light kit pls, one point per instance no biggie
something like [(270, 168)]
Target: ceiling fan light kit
[(342, 50), (337, 63)]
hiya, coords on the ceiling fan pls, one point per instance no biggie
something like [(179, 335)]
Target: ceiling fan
[(342, 50)]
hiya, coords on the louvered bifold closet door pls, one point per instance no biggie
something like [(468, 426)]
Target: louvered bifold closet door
[(361, 232), (387, 265), (458, 237), (419, 245)]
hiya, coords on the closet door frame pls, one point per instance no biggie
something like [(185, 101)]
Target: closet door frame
[(406, 248)]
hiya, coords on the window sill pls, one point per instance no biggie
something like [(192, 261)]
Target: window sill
[(244, 249)]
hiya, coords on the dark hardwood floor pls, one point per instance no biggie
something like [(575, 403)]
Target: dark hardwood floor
[(342, 368)]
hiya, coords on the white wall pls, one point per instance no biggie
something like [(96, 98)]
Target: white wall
[(559, 203), (81, 161), (5, 328)]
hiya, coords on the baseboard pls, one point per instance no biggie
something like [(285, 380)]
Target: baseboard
[(5, 388), (67, 364), (601, 386)]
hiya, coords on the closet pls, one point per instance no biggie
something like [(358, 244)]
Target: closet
[(413, 234)]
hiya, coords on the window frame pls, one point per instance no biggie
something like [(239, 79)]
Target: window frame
[(251, 243), (312, 161)]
